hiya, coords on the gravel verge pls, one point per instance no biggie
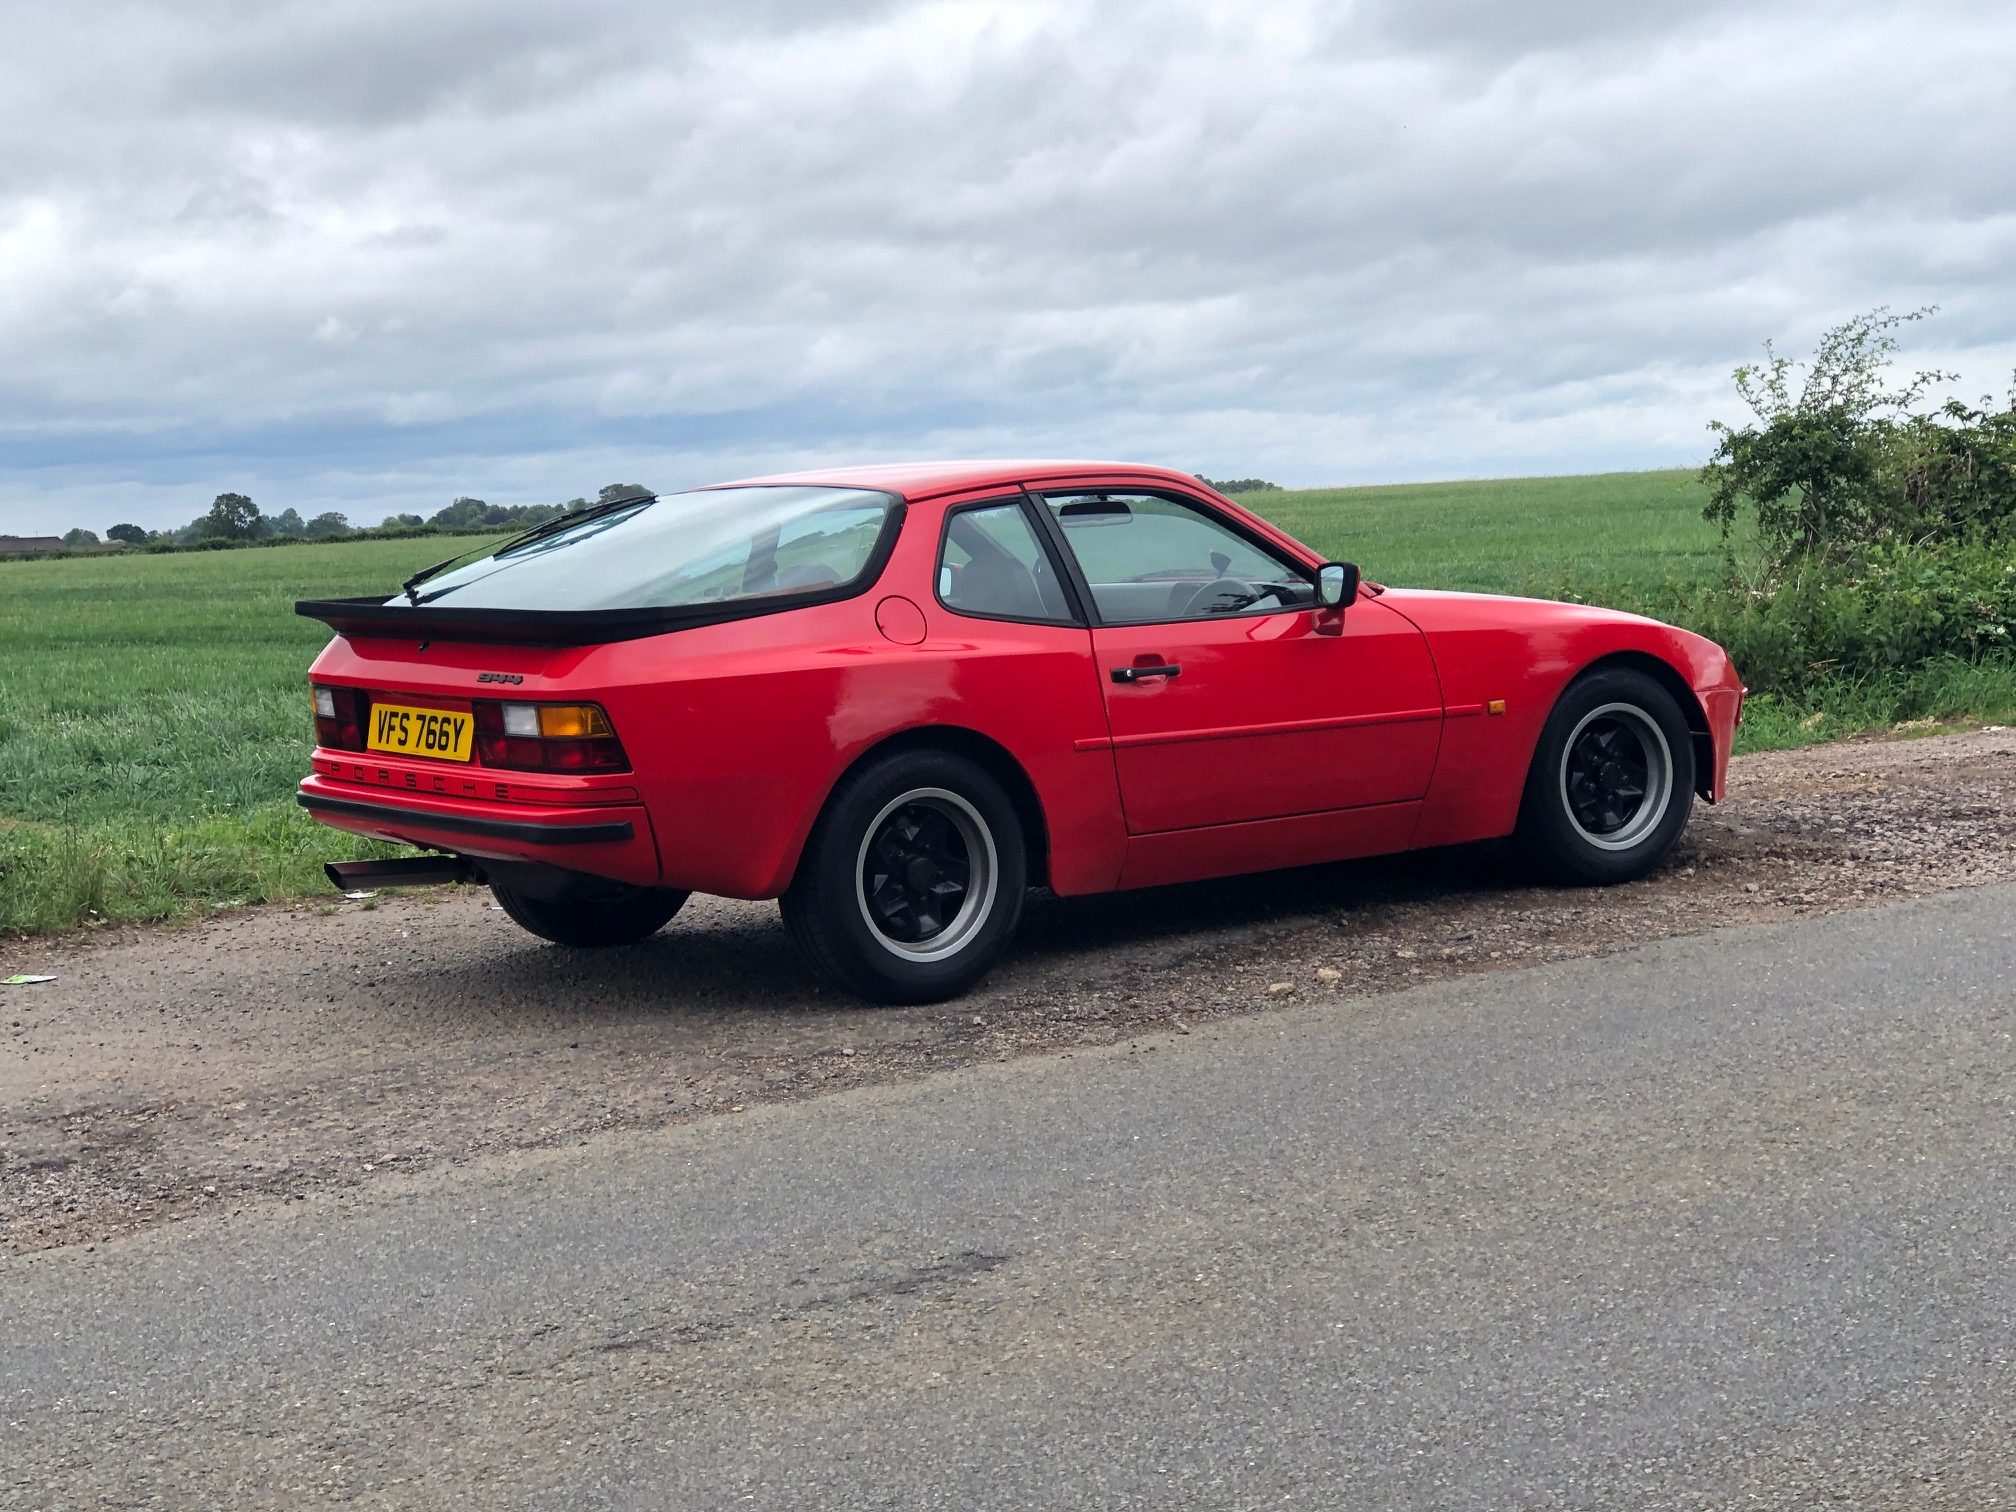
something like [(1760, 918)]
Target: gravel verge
[(296, 1053)]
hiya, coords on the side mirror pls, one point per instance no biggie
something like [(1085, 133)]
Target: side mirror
[(1336, 590), (1336, 584)]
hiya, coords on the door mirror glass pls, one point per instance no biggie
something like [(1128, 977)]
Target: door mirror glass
[(1336, 584)]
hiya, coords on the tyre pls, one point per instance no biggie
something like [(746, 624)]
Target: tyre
[(912, 883), (1612, 781), (616, 914)]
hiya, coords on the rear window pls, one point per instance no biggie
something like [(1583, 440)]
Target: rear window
[(713, 546)]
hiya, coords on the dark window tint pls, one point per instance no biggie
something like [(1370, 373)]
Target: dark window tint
[(1147, 558), (717, 545), (992, 564)]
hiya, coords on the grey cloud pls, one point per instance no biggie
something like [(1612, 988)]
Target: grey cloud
[(379, 63), (371, 66), (1494, 30), (371, 255)]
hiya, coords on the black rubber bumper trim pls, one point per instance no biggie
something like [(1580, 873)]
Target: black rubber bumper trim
[(392, 814)]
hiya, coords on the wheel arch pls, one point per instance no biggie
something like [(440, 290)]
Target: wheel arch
[(983, 751), (1670, 678)]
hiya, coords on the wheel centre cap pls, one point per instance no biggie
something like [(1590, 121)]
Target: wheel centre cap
[(919, 874)]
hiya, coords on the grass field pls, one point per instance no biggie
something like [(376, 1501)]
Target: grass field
[(154, 714), (154, 721), (1507, 535)]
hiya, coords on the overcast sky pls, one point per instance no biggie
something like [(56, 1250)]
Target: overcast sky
[(368, 256)]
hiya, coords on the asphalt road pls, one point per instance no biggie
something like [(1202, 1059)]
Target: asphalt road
[(1726, 1221), (261, 1055)]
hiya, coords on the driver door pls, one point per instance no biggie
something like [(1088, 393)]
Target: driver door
[(1224, 703)]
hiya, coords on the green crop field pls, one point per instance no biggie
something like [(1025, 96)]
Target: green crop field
[(154, 720), (154, 713), (1504, 536)]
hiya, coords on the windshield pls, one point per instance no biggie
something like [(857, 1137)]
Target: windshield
[(717, 545)]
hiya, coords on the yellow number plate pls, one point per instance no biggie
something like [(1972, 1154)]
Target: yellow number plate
[(420, 732)]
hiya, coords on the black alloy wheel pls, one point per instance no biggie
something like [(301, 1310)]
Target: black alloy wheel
[(927, 873), (1612, 779), (912, 883), (1617, 775)]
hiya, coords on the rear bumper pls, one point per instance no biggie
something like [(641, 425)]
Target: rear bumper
[(601, 840), (524, 831)]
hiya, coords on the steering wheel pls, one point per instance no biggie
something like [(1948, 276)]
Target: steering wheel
[(1201, 601)]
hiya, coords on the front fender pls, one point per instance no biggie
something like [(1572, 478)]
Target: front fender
[(1504, 663)]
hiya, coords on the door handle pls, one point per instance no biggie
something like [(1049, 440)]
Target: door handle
[(1135, 674)]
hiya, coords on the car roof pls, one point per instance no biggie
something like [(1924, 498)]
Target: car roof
[(923, 480)]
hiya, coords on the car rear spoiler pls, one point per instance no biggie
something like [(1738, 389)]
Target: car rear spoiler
[(374, 616)]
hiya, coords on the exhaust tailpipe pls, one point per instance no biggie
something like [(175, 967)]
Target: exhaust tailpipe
[(402, 871)]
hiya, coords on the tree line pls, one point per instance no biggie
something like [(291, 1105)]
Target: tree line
[(234, 519)]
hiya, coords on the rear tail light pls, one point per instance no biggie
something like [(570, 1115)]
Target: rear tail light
[(548, 738), (522, 736), (339, 718)]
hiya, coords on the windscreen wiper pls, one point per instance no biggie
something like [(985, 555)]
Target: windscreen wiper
[(545, 528), (425, 573), (592, 512)]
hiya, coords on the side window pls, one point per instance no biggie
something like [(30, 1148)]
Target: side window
[(991, 564), (1148, 559)]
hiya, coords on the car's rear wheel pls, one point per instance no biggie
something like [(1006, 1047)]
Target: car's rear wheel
[(615, 914), (912, 883), (1612, 781)]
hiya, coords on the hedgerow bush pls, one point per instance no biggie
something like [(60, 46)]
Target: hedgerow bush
[(1890, 608), (1848, 461), (1885, 533)]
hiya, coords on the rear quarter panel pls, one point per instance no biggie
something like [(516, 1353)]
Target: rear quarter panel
[(739, 732)]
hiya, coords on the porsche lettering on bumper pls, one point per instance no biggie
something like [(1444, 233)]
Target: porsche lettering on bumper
[(524, 831)]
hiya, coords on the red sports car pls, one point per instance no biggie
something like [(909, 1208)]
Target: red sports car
[(895, 698)]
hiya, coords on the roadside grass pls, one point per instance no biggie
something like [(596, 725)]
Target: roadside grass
[(1922, 700), (154, 720), (56, 876), (154, 713)]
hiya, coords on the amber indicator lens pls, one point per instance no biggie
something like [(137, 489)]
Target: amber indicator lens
[(573, 722), (548, 738)]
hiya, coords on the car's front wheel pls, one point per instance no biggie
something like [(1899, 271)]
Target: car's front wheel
[(1612, 781), (616, 914), (912, 883)]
